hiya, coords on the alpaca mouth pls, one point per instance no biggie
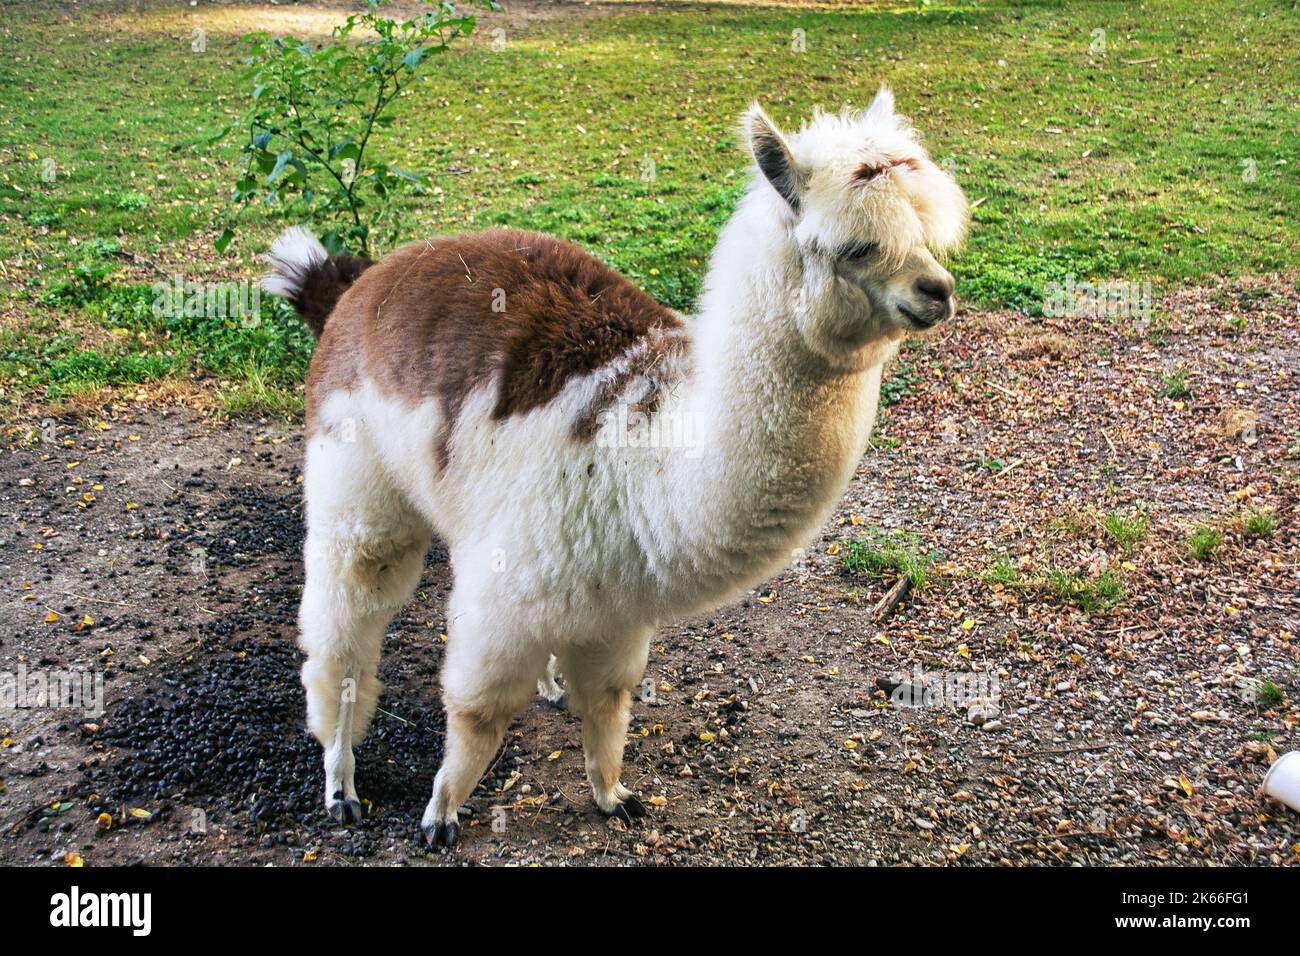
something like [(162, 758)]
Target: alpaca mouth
[(915, 319)]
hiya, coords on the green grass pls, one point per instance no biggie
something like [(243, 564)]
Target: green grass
[(1271, 694), (1127, 165), (1125, 530), (880, 553), (1100, 593), (81, 370), (1089, 594), (1175, 385), (1260, 523), (1203, 542), (1078, 523), (260, 360), (261, 389), (1003, 572)]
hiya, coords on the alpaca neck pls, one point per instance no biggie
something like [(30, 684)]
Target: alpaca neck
[(782, 428)]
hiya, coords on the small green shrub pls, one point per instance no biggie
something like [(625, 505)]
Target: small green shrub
[(313, 111), (893, 551), (1126, 530), (1175, 385), (1203, 542), (1096, 594), (1004, 572), (1271, 694), (1260, 523), (898, 384)]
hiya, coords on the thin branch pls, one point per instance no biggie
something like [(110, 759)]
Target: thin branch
[(892, 599)]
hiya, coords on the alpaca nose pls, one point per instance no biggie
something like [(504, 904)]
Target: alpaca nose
[(933, 301), (936, 286)]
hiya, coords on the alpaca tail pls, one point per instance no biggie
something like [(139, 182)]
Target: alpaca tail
[(308, 276)]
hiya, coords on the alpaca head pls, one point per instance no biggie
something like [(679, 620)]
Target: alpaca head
[(870, 215)]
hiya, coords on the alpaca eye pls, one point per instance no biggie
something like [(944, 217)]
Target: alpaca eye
[(858, 251)]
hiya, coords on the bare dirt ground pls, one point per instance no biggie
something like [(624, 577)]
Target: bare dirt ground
[(163, 550)]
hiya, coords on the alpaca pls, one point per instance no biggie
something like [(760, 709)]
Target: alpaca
[(511, 394)]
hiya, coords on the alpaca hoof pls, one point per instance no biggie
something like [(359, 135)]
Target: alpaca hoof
[(559, 703), (630, 809), (442, 834), (343, 810)]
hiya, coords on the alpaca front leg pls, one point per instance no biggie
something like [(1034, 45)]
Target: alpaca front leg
[(605, 716), (472, 739), (599, 678), (486, 680)]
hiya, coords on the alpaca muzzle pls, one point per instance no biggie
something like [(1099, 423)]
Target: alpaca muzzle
[(931, 301)]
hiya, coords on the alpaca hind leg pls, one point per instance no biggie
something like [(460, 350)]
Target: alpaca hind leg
[(347, 604), (486, 680), (363, 557), (600, 677), (339, 642)]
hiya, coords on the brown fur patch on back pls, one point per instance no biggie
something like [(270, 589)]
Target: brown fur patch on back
[(649, 363), (440, 318)]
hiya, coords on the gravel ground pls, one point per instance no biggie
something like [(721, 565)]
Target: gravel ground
[(162, 550)]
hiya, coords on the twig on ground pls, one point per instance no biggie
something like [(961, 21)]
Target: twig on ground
[(1014, 464), (82, 597), (1113, 453), (893, 597), (392, 715), (1004, 390)]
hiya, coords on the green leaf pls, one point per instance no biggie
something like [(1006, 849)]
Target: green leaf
[(264, 161), (281, 161), (332, 242), (409, 176), (224, 240), (345, 150)]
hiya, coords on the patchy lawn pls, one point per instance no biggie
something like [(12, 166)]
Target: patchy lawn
[(1150, 144)]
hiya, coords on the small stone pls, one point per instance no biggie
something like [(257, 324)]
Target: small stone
[(981, 712)]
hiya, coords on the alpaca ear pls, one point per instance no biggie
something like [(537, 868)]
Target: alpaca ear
[(773, 156), (882, 107)]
